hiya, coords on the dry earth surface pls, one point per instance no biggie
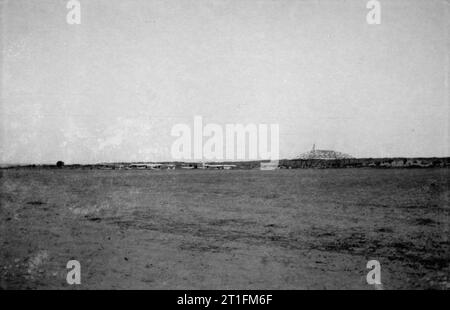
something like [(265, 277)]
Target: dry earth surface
[(285, 229)]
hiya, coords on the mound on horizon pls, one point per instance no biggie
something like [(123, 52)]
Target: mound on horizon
[(324, 154)]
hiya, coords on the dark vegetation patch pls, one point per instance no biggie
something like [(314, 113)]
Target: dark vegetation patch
[(424, 221), (431, 255), (93, 219), (35, 203), (224, 222), (385, 230)]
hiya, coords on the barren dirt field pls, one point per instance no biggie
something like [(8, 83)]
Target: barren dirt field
[(286, 229)]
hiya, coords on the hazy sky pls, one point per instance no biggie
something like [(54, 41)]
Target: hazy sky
[(111, 88)]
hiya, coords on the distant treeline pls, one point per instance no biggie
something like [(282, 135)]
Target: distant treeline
[(283, 164), (351, 163), (366, 162)]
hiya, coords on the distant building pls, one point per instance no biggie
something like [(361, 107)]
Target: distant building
[(271, 165), (398, 163), (190, 166)]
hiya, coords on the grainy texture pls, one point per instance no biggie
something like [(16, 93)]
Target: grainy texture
[(286, 229)]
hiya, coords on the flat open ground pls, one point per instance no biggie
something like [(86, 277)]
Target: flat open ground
[(286, 229)]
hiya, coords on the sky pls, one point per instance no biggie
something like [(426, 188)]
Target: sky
[(111, 88)]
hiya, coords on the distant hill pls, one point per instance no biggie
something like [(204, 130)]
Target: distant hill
[(323, 154)]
